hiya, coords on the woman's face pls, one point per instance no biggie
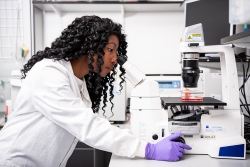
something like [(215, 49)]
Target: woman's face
[(110, 57)]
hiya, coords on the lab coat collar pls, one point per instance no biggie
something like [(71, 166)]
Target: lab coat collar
[(84, 89)]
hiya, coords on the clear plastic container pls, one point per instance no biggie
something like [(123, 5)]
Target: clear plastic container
[(239, 11), (191, 95)]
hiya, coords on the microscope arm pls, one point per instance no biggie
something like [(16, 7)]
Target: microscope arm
[(230, 92)]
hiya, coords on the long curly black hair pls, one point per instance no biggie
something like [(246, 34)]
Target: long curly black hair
[(87, 36)]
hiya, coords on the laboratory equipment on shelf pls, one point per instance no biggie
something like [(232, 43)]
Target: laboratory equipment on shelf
[(118, 112), (170, 85), (239, 11), (215, 131)]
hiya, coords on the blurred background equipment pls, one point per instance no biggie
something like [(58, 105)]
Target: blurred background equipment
[(169, 84), (239, 12), (11, 29), (8, 109), (2, 100), (15, 83), (24, 51), (210, 84), (117, 114)]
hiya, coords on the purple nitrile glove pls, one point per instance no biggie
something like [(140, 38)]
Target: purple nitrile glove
[(166, 149)]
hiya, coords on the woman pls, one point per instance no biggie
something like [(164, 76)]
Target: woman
[(60, 97)]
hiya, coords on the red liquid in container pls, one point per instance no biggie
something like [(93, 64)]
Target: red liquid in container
[(188, 99), (191, 95)]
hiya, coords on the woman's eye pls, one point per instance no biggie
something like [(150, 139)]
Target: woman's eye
[(110, 49)]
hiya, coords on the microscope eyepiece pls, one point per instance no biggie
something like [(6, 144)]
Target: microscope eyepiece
[(121, 60)]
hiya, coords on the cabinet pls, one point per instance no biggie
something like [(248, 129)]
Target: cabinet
[(81, 158), (85, 156)]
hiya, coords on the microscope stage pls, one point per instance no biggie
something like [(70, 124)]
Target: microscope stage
[(207, 101)]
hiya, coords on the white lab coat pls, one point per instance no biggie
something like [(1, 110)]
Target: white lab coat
[(50, 117)]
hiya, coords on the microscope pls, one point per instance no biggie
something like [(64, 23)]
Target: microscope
[(217, 131)]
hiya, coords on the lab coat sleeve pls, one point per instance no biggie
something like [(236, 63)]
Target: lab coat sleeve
[(53, 97)]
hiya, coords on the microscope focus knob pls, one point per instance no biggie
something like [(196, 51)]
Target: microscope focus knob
[(180, 140), (155, 136)]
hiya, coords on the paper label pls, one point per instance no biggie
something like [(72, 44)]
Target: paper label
[(194, 37), (116, 89), (216, 75), (161, 90), (142, 131), (215, 129)]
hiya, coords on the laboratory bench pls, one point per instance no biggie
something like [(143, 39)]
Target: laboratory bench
[(186, 160), (85, 155)]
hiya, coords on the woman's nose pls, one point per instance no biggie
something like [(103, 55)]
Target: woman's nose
[(114, 60)]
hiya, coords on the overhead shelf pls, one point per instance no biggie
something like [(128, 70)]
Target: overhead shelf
[(112, 6), (241, 40)]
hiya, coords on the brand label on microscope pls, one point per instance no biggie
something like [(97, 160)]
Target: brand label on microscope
[(211, 137)]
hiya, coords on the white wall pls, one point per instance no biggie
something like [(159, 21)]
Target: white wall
[(153, 40), (53, 25)]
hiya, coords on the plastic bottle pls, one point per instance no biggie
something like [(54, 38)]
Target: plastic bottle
[(8, 109)]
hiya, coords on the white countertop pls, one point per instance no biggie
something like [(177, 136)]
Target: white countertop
[(185, 161)]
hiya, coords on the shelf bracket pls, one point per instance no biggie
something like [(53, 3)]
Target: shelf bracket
[(59, 14), (57, 11)]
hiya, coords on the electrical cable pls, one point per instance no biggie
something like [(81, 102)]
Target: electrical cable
[(246, 105), (242, 88), (242, 105), (247, 69), (245, 82)]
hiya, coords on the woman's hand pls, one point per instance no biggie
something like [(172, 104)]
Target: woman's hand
[(166, 149)]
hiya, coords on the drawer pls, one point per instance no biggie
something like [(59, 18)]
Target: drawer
[(81, 158)]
